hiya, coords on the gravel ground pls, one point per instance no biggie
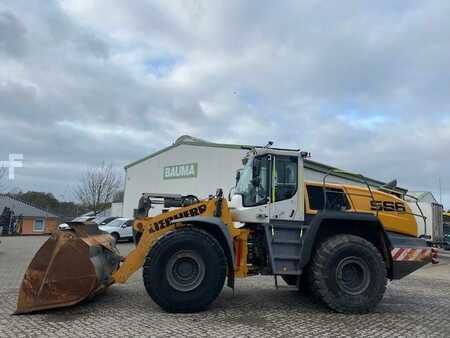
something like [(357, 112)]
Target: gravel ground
[(417, 306)]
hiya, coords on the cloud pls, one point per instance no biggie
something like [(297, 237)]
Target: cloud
[(12, 35), (363, 86)]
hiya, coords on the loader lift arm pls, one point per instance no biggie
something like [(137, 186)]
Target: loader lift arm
[(208, 215)]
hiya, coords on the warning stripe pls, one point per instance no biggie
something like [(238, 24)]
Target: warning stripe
[(424, 254), (404, 255), (411, 254)]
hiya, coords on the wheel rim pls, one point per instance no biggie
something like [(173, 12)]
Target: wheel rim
[(353, 275), (185, 270)]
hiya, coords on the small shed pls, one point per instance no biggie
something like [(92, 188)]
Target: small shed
[(423, 196), (25, 218)]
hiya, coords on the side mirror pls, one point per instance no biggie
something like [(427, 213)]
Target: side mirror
[(124, 225)]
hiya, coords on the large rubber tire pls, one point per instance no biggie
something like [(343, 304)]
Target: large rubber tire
[(348, 274), (204, 254)]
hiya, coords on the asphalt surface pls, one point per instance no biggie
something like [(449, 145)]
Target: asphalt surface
[(417, 306)]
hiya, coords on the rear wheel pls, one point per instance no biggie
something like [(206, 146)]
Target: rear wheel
[(348, 274), (185, 270)]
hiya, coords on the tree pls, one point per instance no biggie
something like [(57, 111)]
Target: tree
[(97, 187), (42, 200), (118, 196), (47, 201)]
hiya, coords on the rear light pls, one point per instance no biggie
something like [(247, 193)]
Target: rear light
[(434, 256)]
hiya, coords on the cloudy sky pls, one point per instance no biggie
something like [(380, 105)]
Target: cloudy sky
[(364, 86)]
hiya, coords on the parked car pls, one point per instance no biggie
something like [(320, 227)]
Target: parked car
[(120, 228), (65, 226), (104, 220), (84, 219)]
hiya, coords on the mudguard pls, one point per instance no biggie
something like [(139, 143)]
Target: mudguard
[(219, 230), (354, 217), (216, 222)]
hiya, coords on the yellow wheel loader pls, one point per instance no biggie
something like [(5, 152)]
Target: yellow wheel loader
[(340, 242)]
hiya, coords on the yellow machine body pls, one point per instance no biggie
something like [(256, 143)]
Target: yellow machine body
[(54, 287), (393, 212)]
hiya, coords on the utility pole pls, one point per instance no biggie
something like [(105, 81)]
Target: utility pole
[(440, 191)]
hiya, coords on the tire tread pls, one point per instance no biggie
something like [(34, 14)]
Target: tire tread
[(148, 273), (317, 279)]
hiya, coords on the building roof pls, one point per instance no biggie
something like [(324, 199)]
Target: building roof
[(423, 196), (313, 165), (22, 208), (193, 141)]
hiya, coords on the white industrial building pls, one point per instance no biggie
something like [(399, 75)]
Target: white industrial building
[(197, 167), (424, 203)]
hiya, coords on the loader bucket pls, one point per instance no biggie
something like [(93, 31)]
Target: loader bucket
[(71, 266)]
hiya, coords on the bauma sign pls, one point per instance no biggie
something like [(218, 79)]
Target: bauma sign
[(187, 170)]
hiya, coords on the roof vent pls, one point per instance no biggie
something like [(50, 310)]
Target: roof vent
[(188, 138), (392, 184)]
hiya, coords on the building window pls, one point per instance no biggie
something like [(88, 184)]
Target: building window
[(336, 198), (39, 225)]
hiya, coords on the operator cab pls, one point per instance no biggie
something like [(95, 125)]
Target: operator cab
[(269, 187)]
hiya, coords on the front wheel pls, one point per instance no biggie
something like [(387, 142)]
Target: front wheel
[(185, 270), (348, 274)]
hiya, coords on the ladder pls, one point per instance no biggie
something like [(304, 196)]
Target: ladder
[(284, 240)]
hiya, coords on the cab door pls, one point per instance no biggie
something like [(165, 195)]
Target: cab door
[(284, 198)]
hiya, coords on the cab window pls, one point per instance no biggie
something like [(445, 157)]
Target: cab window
[(336, 198), (253, 183), (284, 177)]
